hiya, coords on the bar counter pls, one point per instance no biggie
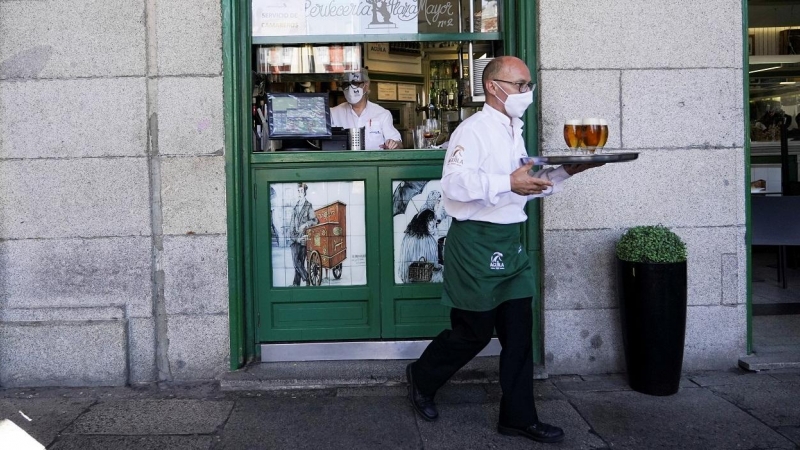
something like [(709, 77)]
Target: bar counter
[(359, 157)]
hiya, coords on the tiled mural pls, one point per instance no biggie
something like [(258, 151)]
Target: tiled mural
[(420, 231), (318, 234)]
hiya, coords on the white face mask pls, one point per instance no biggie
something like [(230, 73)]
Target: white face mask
[(353, 95), (516, 104)]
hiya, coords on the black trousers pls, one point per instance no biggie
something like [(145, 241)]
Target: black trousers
[(471, 332)]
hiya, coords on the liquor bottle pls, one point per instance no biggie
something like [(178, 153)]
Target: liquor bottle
[(462, 87), (443, 100), (432, 110)]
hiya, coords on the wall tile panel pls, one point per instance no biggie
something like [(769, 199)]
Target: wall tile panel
[(72, 39), (87, 197)]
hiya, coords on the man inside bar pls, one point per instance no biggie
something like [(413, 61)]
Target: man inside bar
[(488, 279), (358, 112)]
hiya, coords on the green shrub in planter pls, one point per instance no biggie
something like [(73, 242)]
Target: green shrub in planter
[(651, 244), (652, 282)]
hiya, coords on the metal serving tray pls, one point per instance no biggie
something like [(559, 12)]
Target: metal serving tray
[(580, 159)]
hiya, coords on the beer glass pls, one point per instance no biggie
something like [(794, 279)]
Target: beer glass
[(590, 133), (603, 135), (572, 134)]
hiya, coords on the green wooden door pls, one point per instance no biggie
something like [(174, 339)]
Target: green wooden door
[(315, 263), (328, 236), (411, 245)]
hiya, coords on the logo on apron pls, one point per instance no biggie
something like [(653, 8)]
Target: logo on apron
[(497, 262)]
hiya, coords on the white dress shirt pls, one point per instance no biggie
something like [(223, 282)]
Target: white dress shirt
[(483, 152), (376, 120)]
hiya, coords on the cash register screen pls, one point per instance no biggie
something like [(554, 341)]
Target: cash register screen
[(298, 115)]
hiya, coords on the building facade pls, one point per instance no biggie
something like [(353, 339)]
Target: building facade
[(114, 249)]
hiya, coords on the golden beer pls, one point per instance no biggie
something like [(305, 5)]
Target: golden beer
[(603, 134), (591, 133), (572, 134)]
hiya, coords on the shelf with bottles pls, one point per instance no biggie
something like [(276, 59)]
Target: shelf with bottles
[(445, 83)]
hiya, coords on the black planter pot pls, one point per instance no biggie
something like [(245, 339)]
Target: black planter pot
[(652, 300)]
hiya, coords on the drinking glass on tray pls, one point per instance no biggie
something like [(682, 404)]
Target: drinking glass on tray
[(591, 133), (572, 134), (603, 135)]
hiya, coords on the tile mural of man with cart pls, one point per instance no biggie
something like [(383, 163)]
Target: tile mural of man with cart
[(327, 245)]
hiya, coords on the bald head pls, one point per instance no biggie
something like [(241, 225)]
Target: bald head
[(498, 69), (500, 78)]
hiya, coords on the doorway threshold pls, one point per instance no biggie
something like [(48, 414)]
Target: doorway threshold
[(376, 368), (354, 351), (771, 361)]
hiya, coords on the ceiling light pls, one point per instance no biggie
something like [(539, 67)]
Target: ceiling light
[(768, 68), (774, 59), (789, 82)]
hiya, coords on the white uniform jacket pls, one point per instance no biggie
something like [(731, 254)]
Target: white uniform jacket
[(375, 119), (476, 182)]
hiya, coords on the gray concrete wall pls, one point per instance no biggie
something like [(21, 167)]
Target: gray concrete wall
[(112, 192), (668, 78)]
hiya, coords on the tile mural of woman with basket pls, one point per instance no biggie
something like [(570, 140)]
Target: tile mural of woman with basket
[(420, 254)]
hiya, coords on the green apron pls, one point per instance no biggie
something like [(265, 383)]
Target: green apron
[(485, 265)]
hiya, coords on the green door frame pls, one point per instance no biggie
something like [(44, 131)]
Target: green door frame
[(746, 130), (234, 55), (519, 37)]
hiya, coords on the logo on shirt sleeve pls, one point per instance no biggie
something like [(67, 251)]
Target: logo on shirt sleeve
[(457, 158)]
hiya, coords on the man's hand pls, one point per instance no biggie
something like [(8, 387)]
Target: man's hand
[(572, 169), (390, 144), (524, 184)]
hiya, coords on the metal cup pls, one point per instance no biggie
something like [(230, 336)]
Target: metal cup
[(355, 138)]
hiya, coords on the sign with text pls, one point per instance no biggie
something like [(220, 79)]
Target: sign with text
[(329, 17), (278, 18), (378, 50), (387, 91), (438, 16), (406, 92)]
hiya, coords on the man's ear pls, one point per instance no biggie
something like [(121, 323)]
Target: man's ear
[(491, 85)]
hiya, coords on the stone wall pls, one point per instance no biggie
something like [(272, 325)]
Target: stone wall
[(668, 77), (113, 259)]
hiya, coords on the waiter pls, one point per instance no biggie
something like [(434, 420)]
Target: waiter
[(357, 112), (488, 280)]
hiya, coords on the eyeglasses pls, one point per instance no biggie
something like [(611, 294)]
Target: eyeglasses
[(355, 84), (521, 85)]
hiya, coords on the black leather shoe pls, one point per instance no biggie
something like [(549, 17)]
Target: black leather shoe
[(423, 404), (539, 432)]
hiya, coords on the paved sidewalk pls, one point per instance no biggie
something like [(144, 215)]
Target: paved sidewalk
[(713, 410)]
